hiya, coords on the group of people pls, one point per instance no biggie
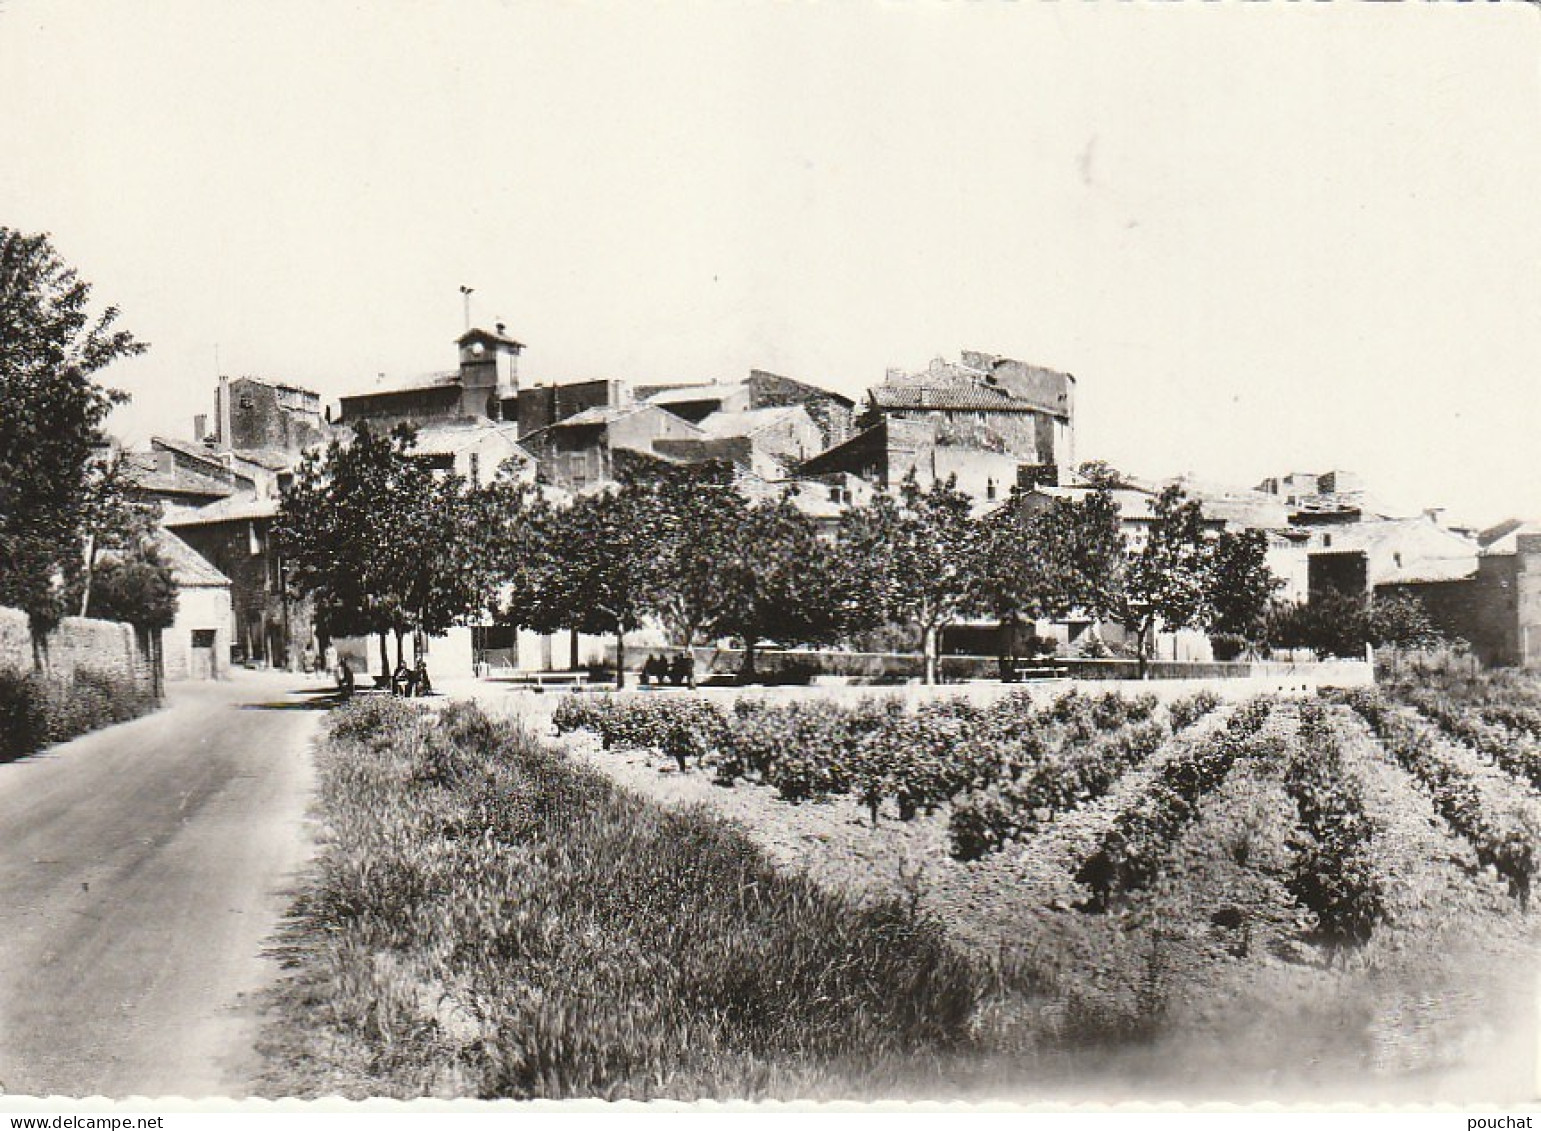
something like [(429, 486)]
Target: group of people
[(405, 681), (681, 671), (408, 682)]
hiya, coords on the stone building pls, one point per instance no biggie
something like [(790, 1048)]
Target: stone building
[(267, 627), (197, 645), (1496, 607), (541, 405), (766, 441), (985, 403), (580, 452), (485, 386), (253, 414), (830, 412)]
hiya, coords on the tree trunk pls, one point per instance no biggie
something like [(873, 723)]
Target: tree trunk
[(746, 673), (1005, 645), (620, 659), (573, 649), (385, 658), (929, 637), (85, 590), (157, 665), (400, 635), (1139, 650)]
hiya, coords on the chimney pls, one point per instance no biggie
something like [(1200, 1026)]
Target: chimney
[(200, 427), (222, 437)]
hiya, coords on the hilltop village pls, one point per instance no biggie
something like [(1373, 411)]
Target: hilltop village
[(990, 424)]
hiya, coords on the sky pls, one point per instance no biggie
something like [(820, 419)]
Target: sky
[(1263, 237)]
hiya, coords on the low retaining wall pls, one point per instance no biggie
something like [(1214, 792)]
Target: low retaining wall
[(965, 671)]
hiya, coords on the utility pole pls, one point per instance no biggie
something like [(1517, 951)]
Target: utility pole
[(465, 293)]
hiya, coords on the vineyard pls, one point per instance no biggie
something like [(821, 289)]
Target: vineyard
[(1150, 871), (1099, 894)]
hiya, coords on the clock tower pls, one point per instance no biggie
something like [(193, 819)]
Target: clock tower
[(489, 371)]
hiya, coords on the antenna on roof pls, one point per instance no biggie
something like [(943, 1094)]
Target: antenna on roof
[(465, 293)]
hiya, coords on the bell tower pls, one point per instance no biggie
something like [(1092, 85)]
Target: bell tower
[(489, 370)]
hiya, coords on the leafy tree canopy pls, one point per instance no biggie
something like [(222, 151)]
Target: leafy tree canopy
[(50, 346)]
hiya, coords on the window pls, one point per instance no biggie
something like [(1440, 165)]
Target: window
[(203, 638), (1327, 541), (1397, 558)]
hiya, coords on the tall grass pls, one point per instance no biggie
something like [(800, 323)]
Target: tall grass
[(487, 919)]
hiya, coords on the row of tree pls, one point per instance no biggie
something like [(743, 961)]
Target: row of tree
[(72, 541), (386, 547)]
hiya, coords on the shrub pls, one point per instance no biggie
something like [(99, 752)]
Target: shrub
[(1332, 873), (38, 709), (1134, 849)]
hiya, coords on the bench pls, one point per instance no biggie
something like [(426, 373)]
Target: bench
[(572, 681), (1027, 673)]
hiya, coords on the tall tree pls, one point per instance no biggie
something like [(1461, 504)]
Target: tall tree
[(595, 567), (1240, 585), (1040, 559), (1167, 578), (50, 345), (698, 515), (377, 541), (134, 586), (910, 560), (779, 582)]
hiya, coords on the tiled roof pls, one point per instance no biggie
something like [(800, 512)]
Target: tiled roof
[(476, 332), (189, 568), (688, 394), (187, 448), (271, 458), (437, 439), (236, 508), (442, 380), (143, 470), (1507, 542), (953, 396), (747, 422)]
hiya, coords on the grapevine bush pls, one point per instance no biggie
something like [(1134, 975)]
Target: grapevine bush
[(1332, 873), (879, 753), (1134, 849), (1078, 771), (1516, 752), (1503, 829)]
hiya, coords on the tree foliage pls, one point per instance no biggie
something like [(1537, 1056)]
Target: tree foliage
[(909, 560), (1040, 559), (779, 581), (1240, 586), (698, 514), (1167, 578), (379, 542), (1334, 623), (50, 346), (593, 566), (135, 587)]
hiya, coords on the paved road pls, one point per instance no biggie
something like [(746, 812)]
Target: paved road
[(142, 869)]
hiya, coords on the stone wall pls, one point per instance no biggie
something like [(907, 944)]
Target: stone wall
[(102, 646)]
